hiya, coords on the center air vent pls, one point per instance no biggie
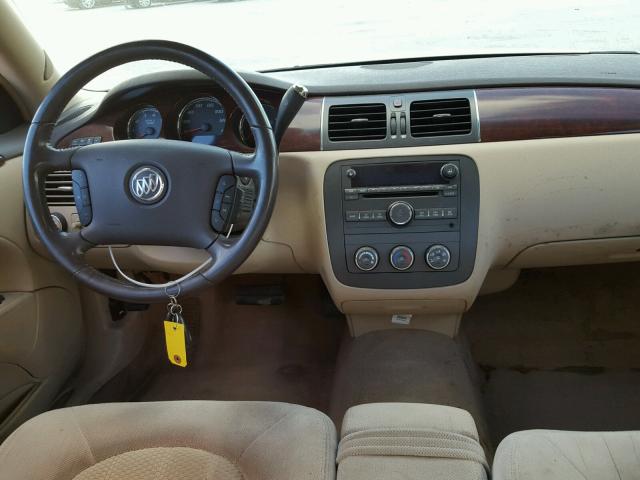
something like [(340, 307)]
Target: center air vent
[(367, 121), (438, 118), (59, 189)]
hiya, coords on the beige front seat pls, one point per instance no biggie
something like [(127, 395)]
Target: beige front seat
[(188, 440), (560, 455)]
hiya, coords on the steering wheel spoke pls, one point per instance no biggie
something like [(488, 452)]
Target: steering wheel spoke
[(75, 243), (245, 164), (50, 159)]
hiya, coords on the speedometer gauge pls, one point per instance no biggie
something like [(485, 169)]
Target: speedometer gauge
[(145, 123), (202, 121)]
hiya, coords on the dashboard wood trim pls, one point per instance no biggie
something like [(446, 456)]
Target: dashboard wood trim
[(506, 114), (550, 112), (302, 135)]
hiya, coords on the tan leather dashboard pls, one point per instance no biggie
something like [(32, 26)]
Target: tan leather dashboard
[(543, 201)]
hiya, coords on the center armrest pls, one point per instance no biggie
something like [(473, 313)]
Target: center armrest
[(409, 441)]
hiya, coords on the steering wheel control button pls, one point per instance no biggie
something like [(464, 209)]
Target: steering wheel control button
[(223, 203), (400, 213), (401, 258), (449, 171), (225, 182), (81, 196), (147, 185), (438, 257), (366, 258)]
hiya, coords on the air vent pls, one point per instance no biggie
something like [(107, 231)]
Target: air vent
[(348, 123), (439, 118), (58, 188)]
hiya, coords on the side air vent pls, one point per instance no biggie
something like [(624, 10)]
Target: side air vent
[(367, 121), (58, 188), (439, 118)]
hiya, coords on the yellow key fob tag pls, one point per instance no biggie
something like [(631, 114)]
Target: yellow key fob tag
[(176, 346)]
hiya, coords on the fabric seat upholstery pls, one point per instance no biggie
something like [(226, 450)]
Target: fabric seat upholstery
[(183, 440), (561, 455)]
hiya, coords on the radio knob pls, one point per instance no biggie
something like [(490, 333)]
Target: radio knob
[(438, 257), (449, 171), (400, 213), (401, 257), (366, 258)]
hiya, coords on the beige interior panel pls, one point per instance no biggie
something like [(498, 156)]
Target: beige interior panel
[(41, 333), (23, 63), (23, 270), (531, 192), (499, 280), (15, 388), (579, 252), (445, 323)]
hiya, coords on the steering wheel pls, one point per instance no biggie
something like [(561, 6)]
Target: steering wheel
[(149, 192)]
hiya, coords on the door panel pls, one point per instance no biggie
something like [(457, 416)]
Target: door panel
[(41, 329)]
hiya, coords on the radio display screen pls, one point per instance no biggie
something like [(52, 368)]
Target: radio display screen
[(397, 174)]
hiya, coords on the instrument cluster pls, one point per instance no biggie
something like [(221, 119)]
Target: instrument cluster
[(203, 119)]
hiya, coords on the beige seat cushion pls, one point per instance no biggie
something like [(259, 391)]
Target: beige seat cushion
[(409, 441), (559, 455), (185, 440)]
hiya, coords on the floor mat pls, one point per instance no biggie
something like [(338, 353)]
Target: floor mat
[(561, 349), (281, 352), (562, 400)]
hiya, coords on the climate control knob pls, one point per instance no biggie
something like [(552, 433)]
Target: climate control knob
[(401, 257), (400, 213), (366, 258), (438, 257)]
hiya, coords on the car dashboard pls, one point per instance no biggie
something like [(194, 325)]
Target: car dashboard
[(409, 195)]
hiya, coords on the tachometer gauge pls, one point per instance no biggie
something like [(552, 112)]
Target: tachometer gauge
[(202, 121), (244, 130), (145, 123)]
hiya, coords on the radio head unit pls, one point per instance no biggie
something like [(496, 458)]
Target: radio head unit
[(408, 222)]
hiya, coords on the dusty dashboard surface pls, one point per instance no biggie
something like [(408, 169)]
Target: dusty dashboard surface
[(527, 160)]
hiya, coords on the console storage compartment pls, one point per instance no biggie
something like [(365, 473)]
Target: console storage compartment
[(410, 441)]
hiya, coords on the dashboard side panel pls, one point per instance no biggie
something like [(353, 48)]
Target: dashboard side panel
[(549, 112), (531, 192)]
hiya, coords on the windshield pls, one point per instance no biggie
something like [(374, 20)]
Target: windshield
[(273, 34)]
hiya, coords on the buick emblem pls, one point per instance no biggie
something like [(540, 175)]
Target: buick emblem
[(147, 185)]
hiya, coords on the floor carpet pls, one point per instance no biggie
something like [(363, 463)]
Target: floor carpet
[(560, 349)]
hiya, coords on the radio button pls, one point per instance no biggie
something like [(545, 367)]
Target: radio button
[(421, 214), (351, 216), (400, 213), (379, 215), (365, 216), (401, 257), (438, 257), (449, 171), (450, 212), (366, 258)]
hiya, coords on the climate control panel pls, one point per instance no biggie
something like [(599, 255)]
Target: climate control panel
[(405, 222)]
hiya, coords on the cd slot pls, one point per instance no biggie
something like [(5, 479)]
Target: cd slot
[(400, 194)]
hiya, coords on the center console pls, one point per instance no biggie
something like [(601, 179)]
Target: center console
[(404, 222)]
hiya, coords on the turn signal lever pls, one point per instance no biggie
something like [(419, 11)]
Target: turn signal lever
[(289, 107)]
